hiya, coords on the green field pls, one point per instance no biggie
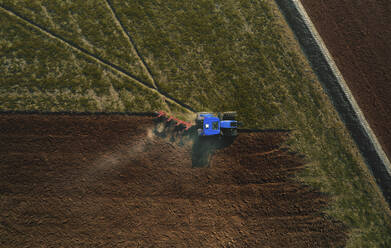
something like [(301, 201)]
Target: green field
[(212, 55)]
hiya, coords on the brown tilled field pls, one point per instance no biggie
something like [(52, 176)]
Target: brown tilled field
[(358, 34), (114, 181)]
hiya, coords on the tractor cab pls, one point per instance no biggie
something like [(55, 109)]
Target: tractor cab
[(223, 124)]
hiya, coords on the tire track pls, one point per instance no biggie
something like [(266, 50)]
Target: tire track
[(94, 57), (135, 51)]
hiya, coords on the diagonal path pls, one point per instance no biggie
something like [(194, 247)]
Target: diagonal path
[(131, 42), (94, 57)]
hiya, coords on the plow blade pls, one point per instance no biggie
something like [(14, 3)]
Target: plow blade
[(178, 122)]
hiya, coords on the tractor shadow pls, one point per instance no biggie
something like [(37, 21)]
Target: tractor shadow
[(204, 147)]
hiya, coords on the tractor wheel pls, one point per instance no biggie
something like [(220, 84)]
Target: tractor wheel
[(199, 117), (229, 132), (229, 115), (199, 120), (220, 116), (199, 124), (201, 113)]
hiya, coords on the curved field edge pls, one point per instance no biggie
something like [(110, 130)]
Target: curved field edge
[(216, 55)]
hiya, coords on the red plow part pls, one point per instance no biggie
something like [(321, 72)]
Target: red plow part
[(186, 125)]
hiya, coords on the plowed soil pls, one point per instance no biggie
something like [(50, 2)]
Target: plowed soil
[(111, 181), (358, 35)]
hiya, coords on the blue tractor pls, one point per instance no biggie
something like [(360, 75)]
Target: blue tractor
[(222, 124)]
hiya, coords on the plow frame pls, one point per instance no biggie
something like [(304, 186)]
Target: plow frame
[(179, 123)]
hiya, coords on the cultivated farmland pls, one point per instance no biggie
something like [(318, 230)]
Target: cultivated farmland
[(110, 181)]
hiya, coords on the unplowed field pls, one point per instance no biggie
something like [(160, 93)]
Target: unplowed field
[(111, 181), (358, 34)]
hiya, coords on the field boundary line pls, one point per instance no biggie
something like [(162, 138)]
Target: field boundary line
[(94, 57), (135, 51), (32, 112), (339, 93), (270, 130)]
